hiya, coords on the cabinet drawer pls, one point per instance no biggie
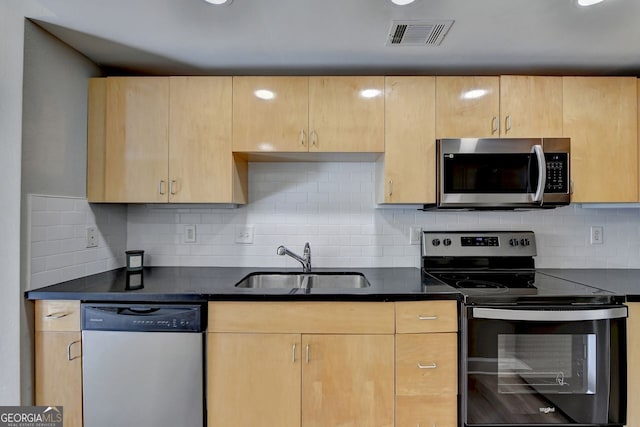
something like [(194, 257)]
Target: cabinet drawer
[(426, 316), (302, 317), (435, 410), (57, 315), (426, 364)]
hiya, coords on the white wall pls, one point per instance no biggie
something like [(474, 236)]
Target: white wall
[(331, 205), (12, 14)]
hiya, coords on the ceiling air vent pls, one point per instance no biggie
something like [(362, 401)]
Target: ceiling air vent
[(418, 33)]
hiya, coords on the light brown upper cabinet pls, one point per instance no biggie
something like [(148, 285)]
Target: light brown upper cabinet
[(406, 172), (346, 114), (270, 114), (505, 106), (162, 139), (601, 118), (316, 114)]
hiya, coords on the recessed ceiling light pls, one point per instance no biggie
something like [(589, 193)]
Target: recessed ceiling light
[(219, 1), (402, 2), (588, 2)]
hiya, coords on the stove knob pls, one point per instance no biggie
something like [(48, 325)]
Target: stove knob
[(525, 242), (513, 242), (435, 242), (447, 242)]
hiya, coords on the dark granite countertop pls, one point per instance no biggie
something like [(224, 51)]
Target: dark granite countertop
[(173, 284), (619, 281)]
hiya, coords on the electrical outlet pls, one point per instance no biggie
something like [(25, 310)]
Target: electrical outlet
[(597, 235), (92, 237), (189, 233), (244, 233), (414, 235)]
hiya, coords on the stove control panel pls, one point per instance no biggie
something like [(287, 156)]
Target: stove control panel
[(478, 243)]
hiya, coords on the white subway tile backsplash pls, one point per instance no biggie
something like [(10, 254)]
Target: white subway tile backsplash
[(330, 205), (57, 238)]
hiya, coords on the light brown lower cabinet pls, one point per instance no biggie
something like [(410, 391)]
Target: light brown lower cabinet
[(426, 364), (301, 368), (58, 358)]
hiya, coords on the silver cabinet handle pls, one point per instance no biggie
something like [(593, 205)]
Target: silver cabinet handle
[(572, 187), (293, 353), (172, 184), (69, 350), (432, 366), (314, 138), (161, 187), (427, 317), (58, 315), (390, 187), (507, 123), (494, 124), (307, 351), (302, 137)]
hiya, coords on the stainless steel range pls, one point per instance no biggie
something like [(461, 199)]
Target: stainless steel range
[(535, 350)]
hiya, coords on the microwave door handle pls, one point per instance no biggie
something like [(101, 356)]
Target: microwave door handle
[(542, 173), (550, 315)]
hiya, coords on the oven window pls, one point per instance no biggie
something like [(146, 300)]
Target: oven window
[(546, 363), (490, 173)]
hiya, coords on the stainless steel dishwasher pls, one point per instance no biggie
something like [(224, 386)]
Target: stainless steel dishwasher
[(142, 365)]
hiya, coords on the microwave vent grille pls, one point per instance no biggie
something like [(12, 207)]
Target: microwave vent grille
[(418, 33)]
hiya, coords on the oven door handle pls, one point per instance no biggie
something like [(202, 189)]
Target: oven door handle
[(550, 315), (542, 173)]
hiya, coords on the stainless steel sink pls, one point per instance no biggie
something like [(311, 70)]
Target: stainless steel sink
[(304, 281)]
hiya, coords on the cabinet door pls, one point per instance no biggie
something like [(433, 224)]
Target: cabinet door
[(601, 118), (467, 107), (427, 411), (200, 158), (347, 380), (137, 137), (410, 153), (346, 114), (270, 114), (531, 106), (58, 373), (253, 380)]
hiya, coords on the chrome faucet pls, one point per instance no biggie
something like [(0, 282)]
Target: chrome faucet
[(304, 260)]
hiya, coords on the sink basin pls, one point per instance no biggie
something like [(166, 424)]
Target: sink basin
[(304, 281)]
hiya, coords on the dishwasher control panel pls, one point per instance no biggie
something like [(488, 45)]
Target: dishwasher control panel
[(143, 317)]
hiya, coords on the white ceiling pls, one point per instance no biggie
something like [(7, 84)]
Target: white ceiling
[(349, 36)]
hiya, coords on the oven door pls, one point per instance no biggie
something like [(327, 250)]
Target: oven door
[(538, 366)]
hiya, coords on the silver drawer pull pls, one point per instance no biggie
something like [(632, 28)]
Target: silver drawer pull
[(58, 315), (427, 317), (293, 357), (432, 366), (69, 350)]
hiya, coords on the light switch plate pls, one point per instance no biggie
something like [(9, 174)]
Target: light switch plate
[(189, 233), (92, 237)]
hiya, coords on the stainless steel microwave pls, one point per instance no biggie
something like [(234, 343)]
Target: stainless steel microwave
[(509, 173)]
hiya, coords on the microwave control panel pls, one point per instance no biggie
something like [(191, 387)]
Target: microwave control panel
[(557, 173)]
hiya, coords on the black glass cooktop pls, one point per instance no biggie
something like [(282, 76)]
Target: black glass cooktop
[(486, 285)]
